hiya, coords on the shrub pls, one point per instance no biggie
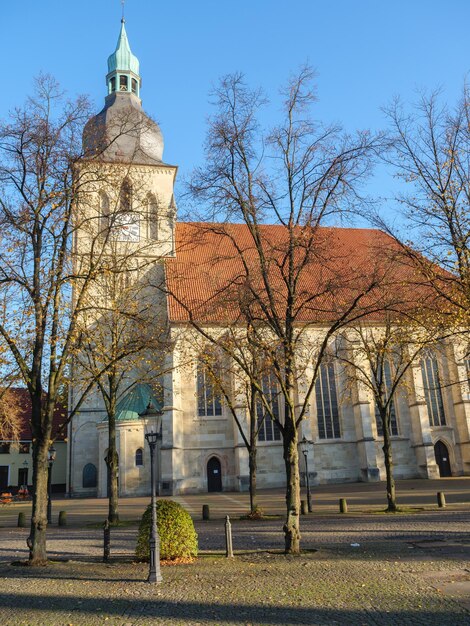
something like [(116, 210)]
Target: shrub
[(178, 539)]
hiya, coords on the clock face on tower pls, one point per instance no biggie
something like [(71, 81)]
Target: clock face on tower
[(127, 227)]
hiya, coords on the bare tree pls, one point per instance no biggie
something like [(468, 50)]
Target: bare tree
[(430, 152), (10, 415), (292, 276), (47, 202), (122, 342), (377, 358)]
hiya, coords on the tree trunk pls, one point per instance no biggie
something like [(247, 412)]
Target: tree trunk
[(252, 465), (291, 458), (112, 462), (387, 450), (252, 450), (37, 538)]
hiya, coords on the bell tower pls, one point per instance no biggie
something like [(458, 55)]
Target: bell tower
[(135, 197)]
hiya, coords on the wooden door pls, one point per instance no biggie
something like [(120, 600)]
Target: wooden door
[(442, 459), (214, 475)]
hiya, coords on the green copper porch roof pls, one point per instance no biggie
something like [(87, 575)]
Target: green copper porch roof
[(135, 402), (122, 58)]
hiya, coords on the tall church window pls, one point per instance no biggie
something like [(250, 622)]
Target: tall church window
[(268, 430), (327, 402), (113, 83), (152, 217), (134, 85), (387, 384), (139, 457), (209, 398), (432, 390)]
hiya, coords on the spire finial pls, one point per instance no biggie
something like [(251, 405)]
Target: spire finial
[(122, 9)]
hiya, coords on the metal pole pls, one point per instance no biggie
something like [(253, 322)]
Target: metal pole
[(309, 499), (49, 494), (155, 575), (228, 537)]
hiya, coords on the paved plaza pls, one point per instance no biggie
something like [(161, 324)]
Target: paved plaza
[(362, 568)]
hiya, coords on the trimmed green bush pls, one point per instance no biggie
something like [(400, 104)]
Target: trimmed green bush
[(178, 539)]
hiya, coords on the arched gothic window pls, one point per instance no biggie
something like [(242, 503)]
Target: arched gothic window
[(139, 457), (126, 196), (90, 476), (152, 217), (387, 385), (327, 402), (104, 212), (209, 398), (432, 389)]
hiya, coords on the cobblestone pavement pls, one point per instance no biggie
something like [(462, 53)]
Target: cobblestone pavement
[(360, 496), (406, 570)]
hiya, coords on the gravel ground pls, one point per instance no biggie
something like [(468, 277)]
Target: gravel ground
[(400, 574)]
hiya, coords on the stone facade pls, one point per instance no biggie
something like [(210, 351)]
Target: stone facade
[(191, 442)]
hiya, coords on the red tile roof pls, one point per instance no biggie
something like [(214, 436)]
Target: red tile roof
[(208, 277), (23, 401)]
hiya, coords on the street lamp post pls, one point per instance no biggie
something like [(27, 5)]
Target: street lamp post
[(152, 438), (51, 458), (304, 446)]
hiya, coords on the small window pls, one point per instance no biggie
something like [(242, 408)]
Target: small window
[(134, 85), (4, 448), (24, 447), (152, 217), (123, 83), (104, 212), (90, 476), (126, 197), (139, 457), (112, 82)]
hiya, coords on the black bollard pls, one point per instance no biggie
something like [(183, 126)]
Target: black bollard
[(106, 541), (21, 520), (62, 518), (205, 512), (228, 538), (303, 507)]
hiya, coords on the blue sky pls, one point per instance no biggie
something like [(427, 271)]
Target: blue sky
[(364, 51)]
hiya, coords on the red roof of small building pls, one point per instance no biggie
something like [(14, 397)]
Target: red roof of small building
[(213, 263), (23, 401)]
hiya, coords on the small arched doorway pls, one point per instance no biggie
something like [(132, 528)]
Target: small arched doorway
[(442, 459), (214, 474)]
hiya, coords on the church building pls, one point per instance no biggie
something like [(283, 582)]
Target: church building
[(201, 447)]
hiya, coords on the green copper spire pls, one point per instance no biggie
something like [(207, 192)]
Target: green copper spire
[(123, 67)]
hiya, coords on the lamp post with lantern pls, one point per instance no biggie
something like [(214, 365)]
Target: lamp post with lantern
[(304, 446), (152, 439), (51, 458)]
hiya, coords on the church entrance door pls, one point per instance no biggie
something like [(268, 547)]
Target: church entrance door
[(442, 459), (214, 475)]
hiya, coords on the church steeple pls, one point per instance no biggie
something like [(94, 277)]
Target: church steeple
[(123, 67)]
